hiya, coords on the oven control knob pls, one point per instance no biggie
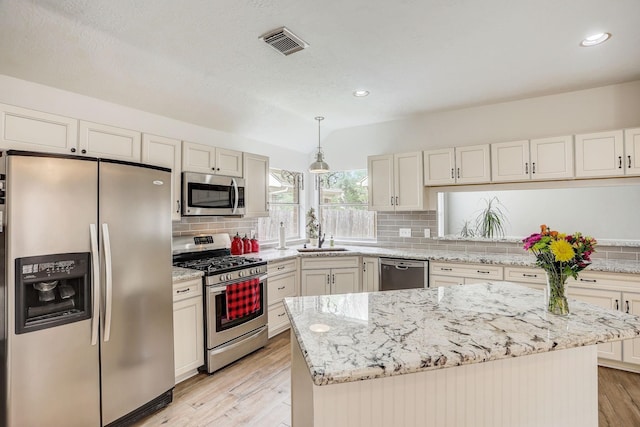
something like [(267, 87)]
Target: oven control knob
[(252, 271), (222, 278), (229, 276), (240, 273)]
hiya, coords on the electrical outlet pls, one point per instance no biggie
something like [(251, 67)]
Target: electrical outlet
[(405, 232), (427, 233)]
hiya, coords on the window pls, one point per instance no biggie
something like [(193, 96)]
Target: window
[(284, 206), (344, 211)]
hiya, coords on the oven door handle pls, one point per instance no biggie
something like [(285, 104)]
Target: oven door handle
[(95, 273), (220, 288), (235, 199)]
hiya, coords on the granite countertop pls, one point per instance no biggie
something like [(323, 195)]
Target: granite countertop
[(354, 337), (524, 260), (182, 274)]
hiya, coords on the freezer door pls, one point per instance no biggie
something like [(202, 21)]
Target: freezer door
[(53, 374), (137, 335)]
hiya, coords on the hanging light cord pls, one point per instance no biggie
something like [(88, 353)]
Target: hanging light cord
[(319, 119)]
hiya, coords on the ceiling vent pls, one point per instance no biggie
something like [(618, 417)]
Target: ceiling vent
[(284, 41)]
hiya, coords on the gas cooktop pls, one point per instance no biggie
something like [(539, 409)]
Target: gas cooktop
[(221, 264)]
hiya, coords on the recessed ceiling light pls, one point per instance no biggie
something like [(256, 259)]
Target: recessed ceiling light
[(595, 39), (360, 93)]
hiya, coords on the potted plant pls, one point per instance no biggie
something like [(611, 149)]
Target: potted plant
[(312, 227)]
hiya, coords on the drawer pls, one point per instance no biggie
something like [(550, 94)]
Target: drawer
[(476, 271), (282, 267), (525, 274), (283, 285), (330, 262), (188, 289), (277, 317)]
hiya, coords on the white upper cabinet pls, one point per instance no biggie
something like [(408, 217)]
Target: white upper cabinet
[(538, 159), (206, 159), (600, 154), (165, 152), (459, 165), (256, 190), (510, 161), (552, 158), (100, 140), (23, 129), (395, 182), (473, 164), (439, 167), (632, 151)]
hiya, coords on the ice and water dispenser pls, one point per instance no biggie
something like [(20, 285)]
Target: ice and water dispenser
[(52, 290)]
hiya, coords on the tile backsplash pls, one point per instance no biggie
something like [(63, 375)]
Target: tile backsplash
[(190, 225), (390, 223)]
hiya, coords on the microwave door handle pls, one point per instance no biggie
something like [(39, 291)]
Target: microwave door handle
[(108, 281), (95, 273), (235, 191)]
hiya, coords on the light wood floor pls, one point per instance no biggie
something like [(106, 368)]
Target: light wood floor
[(255, 391)]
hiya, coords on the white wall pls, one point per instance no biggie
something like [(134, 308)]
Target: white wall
[(608, 107), (44, 98)]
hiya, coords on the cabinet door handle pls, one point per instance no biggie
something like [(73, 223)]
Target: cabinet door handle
[(281, 314), (333, 279), (458, 173), (617, 306), (452, 174), (626, 303), (588, 280), (529, 275), (328, 279), (445, 269), (178, 202), (364, 267), (281, 288), (619, 162), (281, 267), (397, 201), (182, 291), (483, 272), (73, 150), (391, 200), (629, 160), (526, 168), (83, 151), (533, 167)]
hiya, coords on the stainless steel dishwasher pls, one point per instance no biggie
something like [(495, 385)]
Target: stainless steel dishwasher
[(398, 273)]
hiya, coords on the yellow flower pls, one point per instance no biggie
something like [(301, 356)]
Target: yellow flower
[(562, 250)]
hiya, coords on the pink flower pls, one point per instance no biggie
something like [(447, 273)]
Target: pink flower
[(531, 240)]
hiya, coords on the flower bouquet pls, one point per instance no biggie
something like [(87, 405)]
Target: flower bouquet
[(561, 256)]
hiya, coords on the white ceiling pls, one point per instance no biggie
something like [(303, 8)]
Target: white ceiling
[(201, 61)]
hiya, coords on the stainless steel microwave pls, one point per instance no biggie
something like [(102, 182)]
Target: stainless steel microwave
[(204, 194)]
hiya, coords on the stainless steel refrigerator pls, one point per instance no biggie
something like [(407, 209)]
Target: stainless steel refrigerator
[(86, 322)]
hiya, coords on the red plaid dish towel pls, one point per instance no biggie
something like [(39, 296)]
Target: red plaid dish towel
[(243, 298)]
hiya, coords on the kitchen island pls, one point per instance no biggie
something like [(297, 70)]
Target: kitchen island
[(474, 355)]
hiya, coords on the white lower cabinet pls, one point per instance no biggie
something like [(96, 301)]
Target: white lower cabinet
[(370, 274), (531, 277), (188, 328), (330, 275), (282, 282), (614, 291), (450, 274)]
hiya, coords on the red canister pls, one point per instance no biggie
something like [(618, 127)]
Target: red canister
[(246, 243), (255, 246), (237, 247)]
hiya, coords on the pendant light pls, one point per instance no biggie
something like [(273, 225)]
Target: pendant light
[(319, 166)]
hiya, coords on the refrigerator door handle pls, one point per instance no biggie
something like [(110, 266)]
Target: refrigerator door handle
[(235, 200), (108, 281), (95, 271)]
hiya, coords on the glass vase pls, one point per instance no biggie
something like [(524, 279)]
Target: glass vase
[(556, 293)]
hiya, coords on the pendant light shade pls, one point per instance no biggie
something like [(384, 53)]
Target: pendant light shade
[(319, 166)]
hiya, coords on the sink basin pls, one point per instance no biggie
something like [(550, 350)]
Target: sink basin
[(329, 249)]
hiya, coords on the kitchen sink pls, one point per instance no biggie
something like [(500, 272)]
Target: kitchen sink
[(329, 249)]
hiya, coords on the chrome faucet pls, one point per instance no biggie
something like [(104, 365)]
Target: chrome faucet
[(320, 236)]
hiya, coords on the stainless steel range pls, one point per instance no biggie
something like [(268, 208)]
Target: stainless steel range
[(231, 332)]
